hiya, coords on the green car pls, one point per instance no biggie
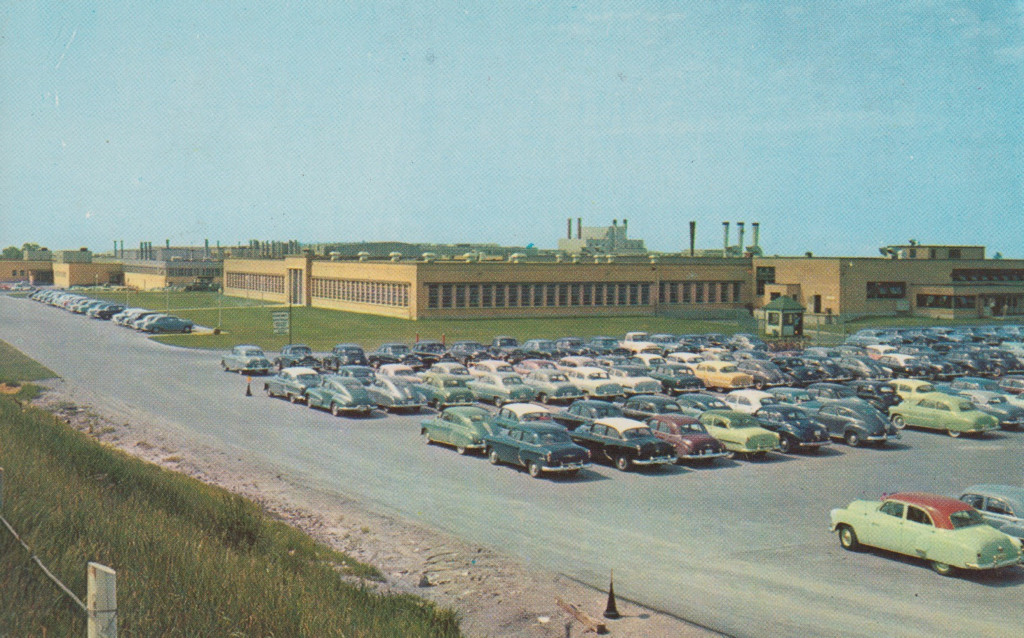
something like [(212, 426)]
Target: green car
[(500, 388), (463, 426), (552, 386), (340, 395), (676, 378), (938, 411), (444, 390), (739, 433), (947, 533)]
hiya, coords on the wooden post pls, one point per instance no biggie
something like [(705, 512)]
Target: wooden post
[(1, 489), (101, 601), (588, 621)]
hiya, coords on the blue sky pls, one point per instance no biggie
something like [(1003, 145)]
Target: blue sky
[(840, 127)]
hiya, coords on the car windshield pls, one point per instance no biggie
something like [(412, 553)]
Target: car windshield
[(727, 369), (552, 437), (512, 381), (536, 416), (966, 518), (598, 375), (307, 378), (454, 383), (405, 372), (301, 350), (253, 352), (430, 347), (557, 378), (398, 348), (670, 407), (996, 400), (965, 406), (360, 373), (637, 433), (691, 427), (501, 343), (606, 411)]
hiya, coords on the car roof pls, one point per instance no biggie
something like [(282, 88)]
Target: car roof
[(519, 409), (674, 418), (752, 394), (938, 507), (620, 424), (1008, 492), (300, 370)]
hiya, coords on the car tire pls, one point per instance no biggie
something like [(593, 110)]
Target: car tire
[(270, 393), (954, 433), (224, 366), (309, 404), (460, 449), (852, 439), (334, 409), (942, 569), (426, 437), (534, 469), (498, 402), (292, 398), (623, 463), (848, 538), (492, 456), (898, 422), (785, 445), (187, 329), (543, 398)]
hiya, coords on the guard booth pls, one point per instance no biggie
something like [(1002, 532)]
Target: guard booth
[(782, 317)]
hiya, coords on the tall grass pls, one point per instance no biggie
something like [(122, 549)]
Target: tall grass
[(15, 366), (192, 559)]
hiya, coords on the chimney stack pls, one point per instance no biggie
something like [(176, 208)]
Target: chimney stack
[(693, 237), (625, 227), (579, 228), (739, 226), (568, 225), (757, 233), (725, 242)]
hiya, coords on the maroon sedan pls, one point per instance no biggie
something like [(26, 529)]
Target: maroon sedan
[(688, 436)]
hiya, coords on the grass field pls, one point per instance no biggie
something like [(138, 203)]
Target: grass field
[(192, 559), (245, 321), (14, 366)]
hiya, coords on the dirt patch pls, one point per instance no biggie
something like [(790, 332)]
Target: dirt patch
[(495, 595), (7, 388)]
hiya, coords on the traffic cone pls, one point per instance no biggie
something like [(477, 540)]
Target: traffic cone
[(248, 387), (610, 611)]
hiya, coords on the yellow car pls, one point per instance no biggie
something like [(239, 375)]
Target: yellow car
[(909, 389), (722, 374)]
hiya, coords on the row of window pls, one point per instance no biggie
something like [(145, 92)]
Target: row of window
[(988, 274), (538, 295), (372, 292), (675, 292), (886, 290), (256, 282), (177, 271), (946, 301)]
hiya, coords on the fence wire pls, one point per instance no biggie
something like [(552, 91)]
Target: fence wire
[(46, 571)]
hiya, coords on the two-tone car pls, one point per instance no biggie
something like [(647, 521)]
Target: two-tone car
[(446, 390), (946, 532), (539, 447), (634, 380), (954, 415), (689, 438), (340, 395), (291, 383), (740, 433), (463, 427), (585, 411), (623, 442), (595, 383), (722, 375), (246, 359)]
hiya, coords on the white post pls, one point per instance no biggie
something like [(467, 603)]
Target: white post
[(101, 601), (1, 489)]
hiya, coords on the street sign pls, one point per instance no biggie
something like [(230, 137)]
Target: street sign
[(281, 323)]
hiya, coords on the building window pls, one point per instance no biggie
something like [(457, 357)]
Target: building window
[(645, 294), (886, 290), (954, 253), (513, 295), (934, 301), (698, 292), (549, 297), (460, 295), (474, 295), (499, 296), (735, 292), (687, 292), (712, 292), (588, 294)]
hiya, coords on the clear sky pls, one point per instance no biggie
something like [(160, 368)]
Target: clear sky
[(840, 126)]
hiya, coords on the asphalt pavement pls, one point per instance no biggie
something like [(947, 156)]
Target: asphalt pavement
[(741, 547)]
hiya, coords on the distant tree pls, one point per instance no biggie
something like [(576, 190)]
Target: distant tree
[(12, 252), (28, 246)]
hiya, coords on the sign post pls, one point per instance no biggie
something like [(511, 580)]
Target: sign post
[(282, 324), (101, 601)]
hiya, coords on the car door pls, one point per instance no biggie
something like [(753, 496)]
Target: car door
[(885, 527), (918, 534), (589, 436), (1000, 514)]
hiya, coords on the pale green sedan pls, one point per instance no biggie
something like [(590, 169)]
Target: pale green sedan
[(938, 411), (740, 433)]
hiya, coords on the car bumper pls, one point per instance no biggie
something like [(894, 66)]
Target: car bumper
[(996, 564), (656, 460), (709, 455), (815, 443), (566, 467)]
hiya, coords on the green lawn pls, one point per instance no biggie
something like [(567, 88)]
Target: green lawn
[(14, 366)]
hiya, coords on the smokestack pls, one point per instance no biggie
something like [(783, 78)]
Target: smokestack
[(725, 242), (206, 248), (693, 237), (568, 225), (625, 226), (122, 249), (615, 223), (168, 244), (579, 228), (115, 248), (757, 232), (739, 226)]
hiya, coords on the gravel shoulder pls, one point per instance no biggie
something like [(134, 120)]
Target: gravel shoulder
[(495, 595)]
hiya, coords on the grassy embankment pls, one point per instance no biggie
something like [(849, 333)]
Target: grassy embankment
[(192, 559), (245, 321)]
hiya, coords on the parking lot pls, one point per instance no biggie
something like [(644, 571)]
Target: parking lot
[(739, 546)]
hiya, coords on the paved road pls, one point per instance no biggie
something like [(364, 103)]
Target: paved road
[(741, 547)]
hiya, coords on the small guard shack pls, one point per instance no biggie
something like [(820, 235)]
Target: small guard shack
[(782, 317)]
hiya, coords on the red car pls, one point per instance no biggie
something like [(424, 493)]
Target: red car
[(691, 441)]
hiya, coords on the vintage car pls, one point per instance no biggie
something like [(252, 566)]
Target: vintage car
[(246, 359), (443, 390), (603, 345), (540, 349), (490, 366), (399, 371), (585, 411), (462, 427), (572, 346), (642, 406), (291, 383), (506, 348), (538, 447), (853, 421), (513, 413), (595, 383), (344, 354), (906, 366), (699, 402), (648, 360), (722, 374), (451, 367), (552, 386), (1012, 385), (526, 366), (740, 433), (864, 367), (634, 380), (686, 434), (296, 355), (395, 394), (911, 388), (466, 351), (748, 401), (939, 411), (394, 353), (948, 533), (624, 443), (1010, 415), (880, 394), (363, 374), (575, 361), (168, 323), (976, 364), (500, 389), (1002, 506), (765, 373), (688, 359), (340, 395), (795, 427), (830, 391), (676, 378), (429, 351)]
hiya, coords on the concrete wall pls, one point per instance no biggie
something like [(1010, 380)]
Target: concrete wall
[(66, 275), (12, 270)]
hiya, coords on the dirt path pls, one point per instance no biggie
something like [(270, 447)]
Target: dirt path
[(495, 595)]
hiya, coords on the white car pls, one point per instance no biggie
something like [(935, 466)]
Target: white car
[(634, 380), (689, 359), (450, 367), (748, 401), (399, 371), (490, 366), (595, 383)]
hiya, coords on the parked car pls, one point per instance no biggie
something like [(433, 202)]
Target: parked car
[(623, 442), (362, 374), (1011, 417), (394, 353), (765, 373), (906, 366), (676, 378), (572, 346), (938, 411), (552, 386), (826, 391), (948, 533), (291, 383), (463, 427), (911, 388), (748, 401), (500, 389), (466, 351), (740, 433), (595, 383), (540, 349), (722, 374), (429, 351), (490, 366), (506, 348), (450, 367), (1002, 506), (344, 354), (689, 438), (526, 366), (604, 345), (795, 427), (394, 394), (634, 380), (166, 324), (538, 447), (296, 355), (445, 390), (699, 402), (585, 411), (854, 421), (1012, 385), (880, 394), (643, 406), (976, 365), (246, 359), (340, 395), (864, 367)]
